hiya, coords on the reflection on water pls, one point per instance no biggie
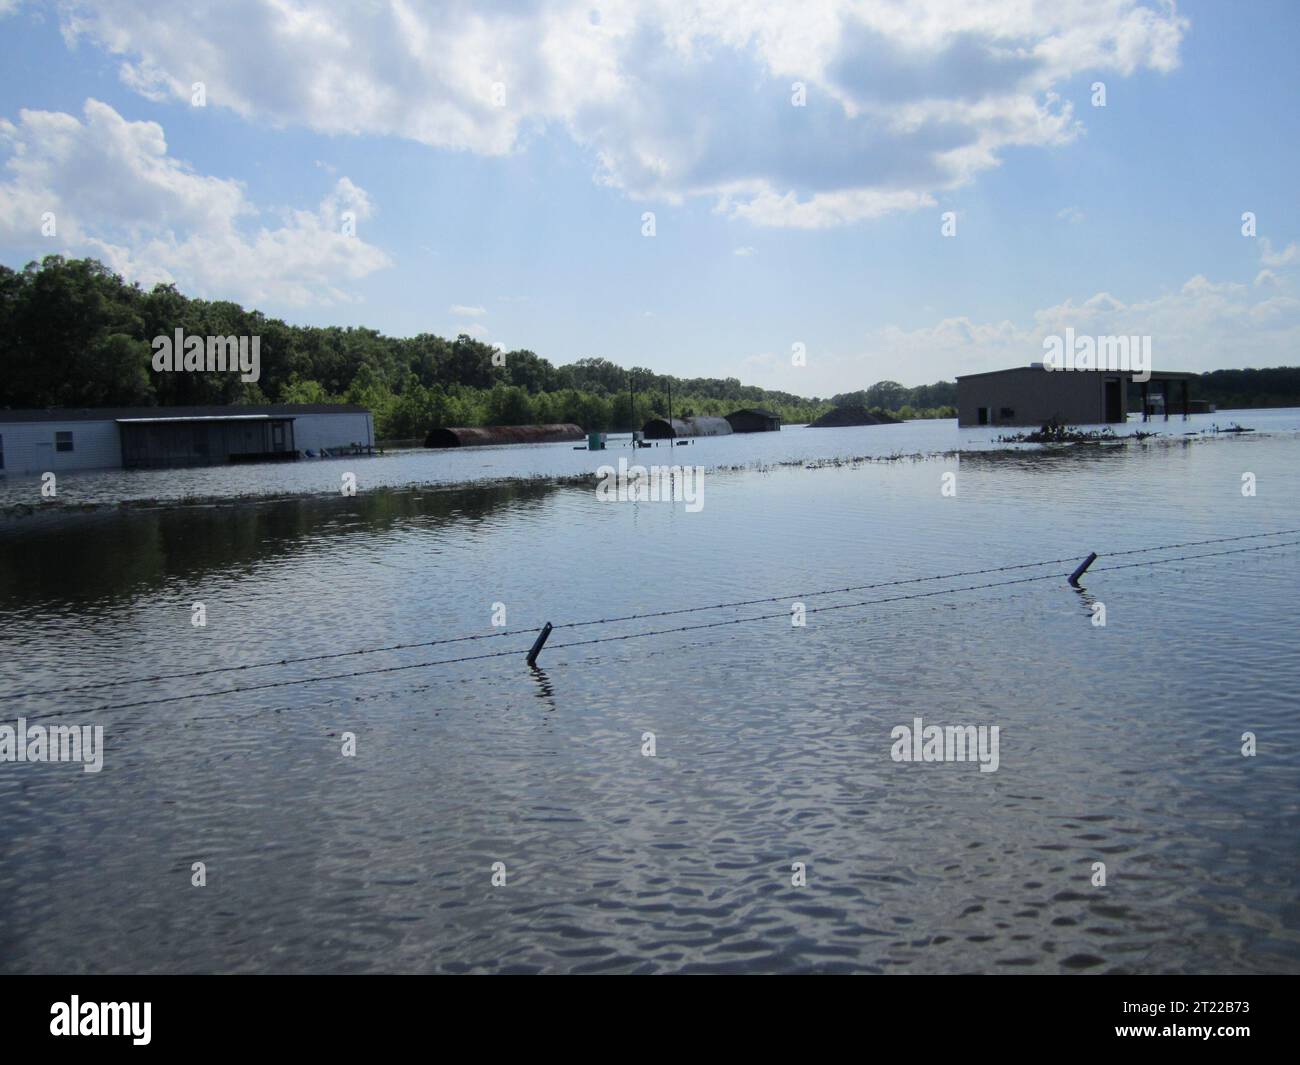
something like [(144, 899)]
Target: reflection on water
[(57, 555), (1119, 744)]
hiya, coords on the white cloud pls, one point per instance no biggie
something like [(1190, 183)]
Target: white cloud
[(1070, 214), (823, 209), (743, 252), (1203, 325), (117, 194), (461, 310), (673, 98), (1285, 257)]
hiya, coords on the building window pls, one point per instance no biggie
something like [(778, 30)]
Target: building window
[(63, 441), (1006, 414)]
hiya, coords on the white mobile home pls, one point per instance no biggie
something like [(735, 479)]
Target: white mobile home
[(36, 441)]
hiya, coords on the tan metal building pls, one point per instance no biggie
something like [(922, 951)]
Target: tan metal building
[(1033, 395)]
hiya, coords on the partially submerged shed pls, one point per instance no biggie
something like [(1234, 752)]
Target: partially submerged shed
[(753, 420), (701, 425), (477, 436)]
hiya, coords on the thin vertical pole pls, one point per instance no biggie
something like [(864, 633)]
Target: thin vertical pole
[(1083, 568), (539, 643)]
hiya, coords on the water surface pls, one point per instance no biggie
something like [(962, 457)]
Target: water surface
[(1118, 744), (411, 467)]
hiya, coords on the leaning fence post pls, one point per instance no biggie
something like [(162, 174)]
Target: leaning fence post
[(1074, 577), (539, 643)]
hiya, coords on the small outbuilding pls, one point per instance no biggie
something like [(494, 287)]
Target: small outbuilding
[(479, 436), (700, 425), (753, 420)]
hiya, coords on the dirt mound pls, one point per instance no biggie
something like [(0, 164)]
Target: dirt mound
[(852, 415)]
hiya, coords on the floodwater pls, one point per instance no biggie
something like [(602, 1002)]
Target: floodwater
[(1120, 744), (482, 465)]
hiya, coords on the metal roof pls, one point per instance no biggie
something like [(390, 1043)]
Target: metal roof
[(1156, 375), (208, 418), (114, 414)]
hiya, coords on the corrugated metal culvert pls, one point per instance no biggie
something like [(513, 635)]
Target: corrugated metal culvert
[(702, 425), (477, 436)]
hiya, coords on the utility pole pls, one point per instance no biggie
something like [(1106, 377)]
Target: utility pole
[(631, 404), (670, 402)]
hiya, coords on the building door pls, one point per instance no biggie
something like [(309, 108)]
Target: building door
[(983, 416), (1114, 400)]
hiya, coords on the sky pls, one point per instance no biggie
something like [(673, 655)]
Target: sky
[(700, 187)]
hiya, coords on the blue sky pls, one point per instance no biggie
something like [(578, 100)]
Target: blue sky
[(518, 217)]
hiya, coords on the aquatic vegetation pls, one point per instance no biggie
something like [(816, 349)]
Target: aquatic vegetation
[(1054, 433)]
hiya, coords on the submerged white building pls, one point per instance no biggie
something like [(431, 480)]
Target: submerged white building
[(37, 441)]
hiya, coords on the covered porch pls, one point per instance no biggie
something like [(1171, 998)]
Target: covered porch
[(153, 443)]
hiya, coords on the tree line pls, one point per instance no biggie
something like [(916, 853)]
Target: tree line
[(74, 334), (1278, 386)]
